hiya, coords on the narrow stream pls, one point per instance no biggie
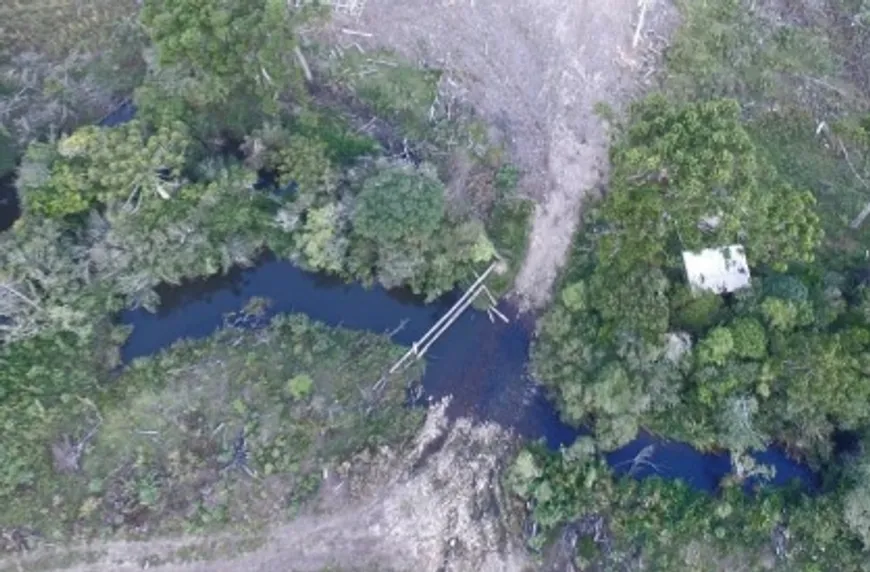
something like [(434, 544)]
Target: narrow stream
[(483, 365), (9, 208)]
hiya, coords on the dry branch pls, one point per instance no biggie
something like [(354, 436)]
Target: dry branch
[(303, 63), (356, 33), (866, 210), (643, 5)]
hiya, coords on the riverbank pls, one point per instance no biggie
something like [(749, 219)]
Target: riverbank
[(480, 364), (233, 431)]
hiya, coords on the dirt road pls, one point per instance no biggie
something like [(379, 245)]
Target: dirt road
[(537, 68)]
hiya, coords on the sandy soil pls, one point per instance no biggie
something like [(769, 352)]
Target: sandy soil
[(536, 68), (438, 507)]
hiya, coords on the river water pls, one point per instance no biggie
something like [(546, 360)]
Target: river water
[(9, 209), (481, 364)]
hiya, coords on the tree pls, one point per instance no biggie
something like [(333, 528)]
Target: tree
[(737, 425), (618, 402), (222, 56), (695, 311), (125, 164), (304, 162), (402, 234), (780, 314), (635, 301), (401, 207), (749, 338), (683, 174), (856, 503), (820, 379), (715, 348), (212, 227), (322, 242), (43, 276)]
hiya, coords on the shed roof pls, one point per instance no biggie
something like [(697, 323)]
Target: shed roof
[(722, 269)]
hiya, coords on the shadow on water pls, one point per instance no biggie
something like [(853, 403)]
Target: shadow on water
[(9, 207), (483, 365), (123, 113)]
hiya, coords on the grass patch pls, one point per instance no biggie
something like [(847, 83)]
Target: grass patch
[(797, 73), (394, 90), (734, 48), (344, 146), (815, 161), (508, 228), (60, 27), (232, 430)]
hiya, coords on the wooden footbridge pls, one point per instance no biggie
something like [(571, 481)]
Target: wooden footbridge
[(421, 346)]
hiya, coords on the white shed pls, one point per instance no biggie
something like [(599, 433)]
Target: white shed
[(718, 270)]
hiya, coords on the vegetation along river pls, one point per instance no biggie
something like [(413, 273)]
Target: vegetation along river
[(178, 360), (480, 363)]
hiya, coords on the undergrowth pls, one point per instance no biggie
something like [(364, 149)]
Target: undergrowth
[(796, 72), (233, 430)]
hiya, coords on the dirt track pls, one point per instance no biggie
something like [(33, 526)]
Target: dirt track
[(536, 68)]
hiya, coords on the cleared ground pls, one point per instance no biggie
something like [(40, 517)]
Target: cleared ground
[(536, 69), (438, 506)]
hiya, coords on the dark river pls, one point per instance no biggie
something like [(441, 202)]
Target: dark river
[(483, 365), (9, 209)]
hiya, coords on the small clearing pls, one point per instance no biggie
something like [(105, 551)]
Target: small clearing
[(438, 506), (537, 69)]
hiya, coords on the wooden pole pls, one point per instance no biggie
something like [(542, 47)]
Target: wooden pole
[(500, 315), (450, 316), (434, 337), (471, 290), (643, 4), (494, 307)]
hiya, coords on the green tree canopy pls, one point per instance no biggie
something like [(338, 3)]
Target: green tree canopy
[(401, 233), (749, 338), (213, 51), (715, 347), (685, 177), (127, 164), (400, 206), (684, 174)]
